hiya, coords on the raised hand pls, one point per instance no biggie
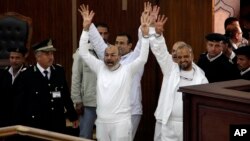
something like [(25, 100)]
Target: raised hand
[(86, 15), (147, 8), (159, 24), (154, 14), (145, 23)]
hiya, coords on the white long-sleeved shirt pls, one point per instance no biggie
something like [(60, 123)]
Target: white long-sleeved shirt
[(171, 81), (113, 87), (100, 46)]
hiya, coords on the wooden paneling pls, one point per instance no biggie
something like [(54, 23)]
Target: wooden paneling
[(189, 21), (209, 113), (51, 19)]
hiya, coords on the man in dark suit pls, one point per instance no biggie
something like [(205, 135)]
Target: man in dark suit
[(243, 61), (214, 63), (9, 78), (45, 96)]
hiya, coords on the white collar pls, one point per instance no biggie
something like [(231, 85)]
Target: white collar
[(12, 74), (41, 69), (245, 71), (212, 59), (126, 55)]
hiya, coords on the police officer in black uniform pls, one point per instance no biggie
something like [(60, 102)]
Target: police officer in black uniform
[(44, 93), (8, 82), (214, 63), (243, 61)]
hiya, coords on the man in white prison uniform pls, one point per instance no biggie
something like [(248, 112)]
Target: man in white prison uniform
[(114, 82), (169, 115)]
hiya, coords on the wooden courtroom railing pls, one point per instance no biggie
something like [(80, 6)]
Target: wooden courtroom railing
[(37, 133)]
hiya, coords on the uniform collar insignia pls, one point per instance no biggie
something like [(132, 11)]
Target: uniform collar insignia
[(35, 68), (53, 67)]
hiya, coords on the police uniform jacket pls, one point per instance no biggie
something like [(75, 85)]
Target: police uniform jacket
[(219, 69), (8, 96), (44, 102), (246, 76)]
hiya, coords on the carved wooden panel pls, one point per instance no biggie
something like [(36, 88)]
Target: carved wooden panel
[(222, 10)]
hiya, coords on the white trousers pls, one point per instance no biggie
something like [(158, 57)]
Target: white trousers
[(172, 131), (135, 119), (119, 131)]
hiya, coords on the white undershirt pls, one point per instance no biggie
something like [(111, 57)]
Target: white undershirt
[(12, 74), (186, 78)]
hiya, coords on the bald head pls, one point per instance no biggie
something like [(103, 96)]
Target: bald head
[(112, 57), (174, 48), (185, 57)]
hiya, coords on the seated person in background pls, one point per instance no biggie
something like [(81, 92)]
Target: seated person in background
[(214, 63), (243, 61)]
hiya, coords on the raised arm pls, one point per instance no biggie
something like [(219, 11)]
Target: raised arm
[(153, 13), (142, 59), (159, 47), (97, 41), (94, 37), (91, 61), (145, 22), (86, 16)]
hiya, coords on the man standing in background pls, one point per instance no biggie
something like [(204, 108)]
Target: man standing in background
[(9, 79)]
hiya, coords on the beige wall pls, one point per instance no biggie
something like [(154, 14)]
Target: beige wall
[(222, 10)]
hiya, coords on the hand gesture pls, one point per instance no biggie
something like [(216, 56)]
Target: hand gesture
[(147, 8), (86, 15), (154, 14), (159, 24), (145, 23)]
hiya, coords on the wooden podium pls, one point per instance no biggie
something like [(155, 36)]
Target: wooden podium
[(210, 109)]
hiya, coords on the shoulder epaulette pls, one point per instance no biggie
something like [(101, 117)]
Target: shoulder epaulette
[(59, 65), (23, 69), (34, 67)]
